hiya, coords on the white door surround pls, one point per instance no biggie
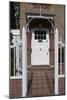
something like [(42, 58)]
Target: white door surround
[(40, 46)]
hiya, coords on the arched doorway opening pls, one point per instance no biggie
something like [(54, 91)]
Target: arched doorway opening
[(40, 31)]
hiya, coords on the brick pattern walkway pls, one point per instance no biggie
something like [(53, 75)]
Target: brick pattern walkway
[(40, 85)]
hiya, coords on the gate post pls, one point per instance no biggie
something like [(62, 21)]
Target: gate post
[(56, 61), (24, 62)]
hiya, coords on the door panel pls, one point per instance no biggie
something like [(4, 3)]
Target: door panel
[(40, 48)]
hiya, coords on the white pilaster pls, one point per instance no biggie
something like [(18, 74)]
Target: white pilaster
[(56, 61), (24, 62)]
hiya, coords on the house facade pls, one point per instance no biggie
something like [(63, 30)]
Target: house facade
[(37, 53)]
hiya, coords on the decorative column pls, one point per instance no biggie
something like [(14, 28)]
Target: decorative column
[(24, 62), (56, 61)]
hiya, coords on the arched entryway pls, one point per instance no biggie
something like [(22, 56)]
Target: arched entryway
[(40, 47), (40, 29)]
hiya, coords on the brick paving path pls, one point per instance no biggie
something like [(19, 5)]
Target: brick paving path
[(40, 85)]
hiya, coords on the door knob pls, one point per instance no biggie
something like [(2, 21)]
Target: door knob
[(47, 53), (40, 49), (46, 40)]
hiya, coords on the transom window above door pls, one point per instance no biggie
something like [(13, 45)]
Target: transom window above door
[(40, 35)]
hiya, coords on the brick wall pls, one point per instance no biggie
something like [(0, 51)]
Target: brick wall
[(51, 50), (61, 86), (29, 49), (53, 9), (15, 88)]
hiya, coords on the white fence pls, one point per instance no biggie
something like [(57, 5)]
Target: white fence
[(16, 55)]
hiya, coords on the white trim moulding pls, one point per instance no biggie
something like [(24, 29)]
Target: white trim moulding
[(16, 77), (61, 76), (31, 16)]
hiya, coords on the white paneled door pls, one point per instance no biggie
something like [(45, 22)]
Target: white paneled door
[(40, 47)]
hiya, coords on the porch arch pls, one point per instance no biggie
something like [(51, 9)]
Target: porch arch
[(40, 17), (56, 48)]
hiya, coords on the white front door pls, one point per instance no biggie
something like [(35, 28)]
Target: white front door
[(40, 47)]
